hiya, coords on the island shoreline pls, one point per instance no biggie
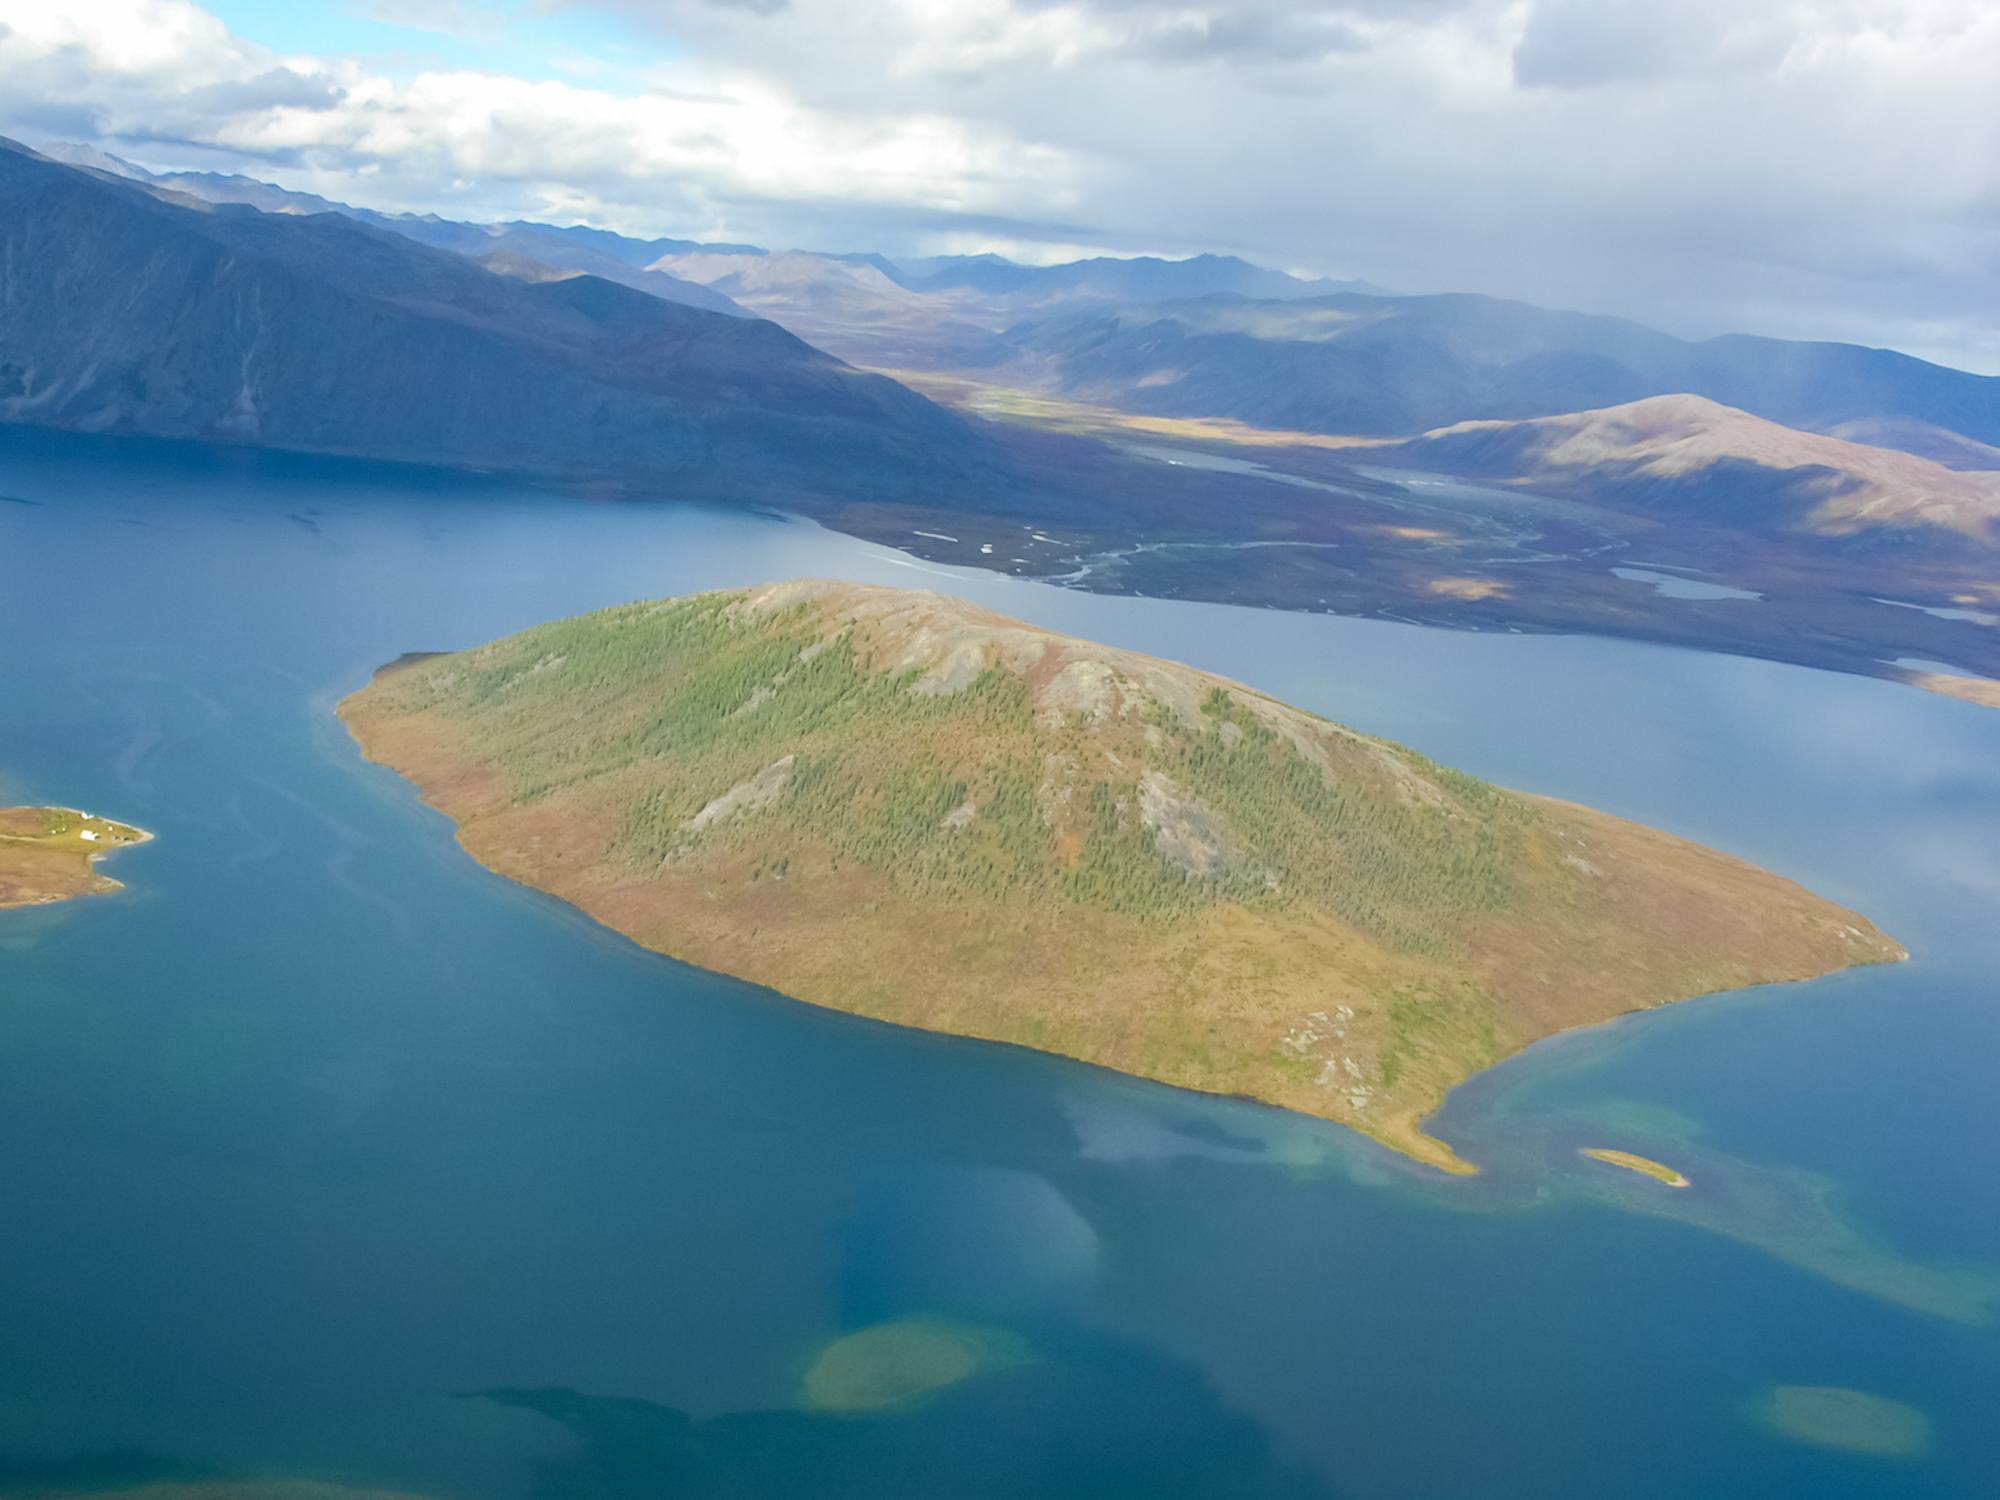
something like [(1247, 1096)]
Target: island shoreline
[(1404, 1133)]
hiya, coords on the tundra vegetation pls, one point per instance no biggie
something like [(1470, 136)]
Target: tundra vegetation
[(905, 806), (50, 853)]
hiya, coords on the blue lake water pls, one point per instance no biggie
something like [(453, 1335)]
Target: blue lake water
[(324, 1152)]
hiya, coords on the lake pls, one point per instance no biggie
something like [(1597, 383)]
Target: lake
[(329, 1154)]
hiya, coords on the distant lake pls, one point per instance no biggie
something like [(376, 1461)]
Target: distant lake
[(1676, 587), (329, 1154)]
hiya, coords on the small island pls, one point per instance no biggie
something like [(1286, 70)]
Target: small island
[(50, 854), (905, 806), (1644, 1165)]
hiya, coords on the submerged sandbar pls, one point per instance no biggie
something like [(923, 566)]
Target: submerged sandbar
[(1850, 1421)]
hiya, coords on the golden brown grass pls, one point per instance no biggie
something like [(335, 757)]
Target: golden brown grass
[(1004, 403), (1471, 589), (45, 856), (1666, 437), (1981, 690)]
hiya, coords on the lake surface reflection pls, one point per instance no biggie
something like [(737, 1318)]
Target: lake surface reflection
[(330, 1155)]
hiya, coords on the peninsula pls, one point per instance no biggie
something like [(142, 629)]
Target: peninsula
[(50, 853), (905, 806)]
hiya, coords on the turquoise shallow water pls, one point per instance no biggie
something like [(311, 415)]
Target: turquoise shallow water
[(327, 1153)]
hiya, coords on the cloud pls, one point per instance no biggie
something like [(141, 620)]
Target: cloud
[(279, 88), (429, 15), (161, 71), (1800, 167), (1585, 43)]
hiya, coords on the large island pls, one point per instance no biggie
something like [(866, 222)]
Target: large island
[(905, 806)]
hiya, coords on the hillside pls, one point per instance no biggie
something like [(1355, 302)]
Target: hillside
[(594, 252), (1403, 365), (1138, 278), (948, 311), (905, 806), (852, 307), (1682, 455), (122, 310), (1925, 439)]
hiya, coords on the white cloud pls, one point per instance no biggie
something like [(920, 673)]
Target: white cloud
[(164, 72)]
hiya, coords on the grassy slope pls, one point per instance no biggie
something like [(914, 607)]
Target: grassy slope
[(907, 807), (44, 857), (1838, 488)]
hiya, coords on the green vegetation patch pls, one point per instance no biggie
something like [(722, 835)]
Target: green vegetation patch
[(968, 792)]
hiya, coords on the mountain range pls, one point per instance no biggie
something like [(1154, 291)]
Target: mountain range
[(1403, 365), (576, 248), (863, 306), (1213, 335), (1233, 433), (127, 307)]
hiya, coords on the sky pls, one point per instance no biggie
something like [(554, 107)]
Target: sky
[(1818, 169)]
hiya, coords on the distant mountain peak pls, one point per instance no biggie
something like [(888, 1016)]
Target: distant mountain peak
[(74, 154)]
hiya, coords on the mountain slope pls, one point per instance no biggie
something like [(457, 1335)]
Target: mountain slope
[(1682, 455), (593, 251), (1104, 278), (1403, 365), (848, 305), (122, 311), (946, 311), (1925, 439), (903, 805)]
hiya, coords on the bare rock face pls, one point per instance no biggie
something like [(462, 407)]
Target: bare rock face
[(760, 791), (1188, 834)]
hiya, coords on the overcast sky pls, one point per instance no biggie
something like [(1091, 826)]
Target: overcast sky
[(1825, 169)]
